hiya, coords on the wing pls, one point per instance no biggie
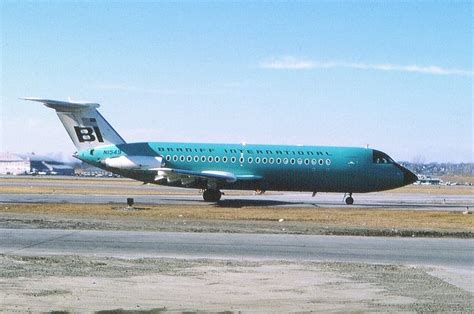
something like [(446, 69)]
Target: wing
[(187, 177)]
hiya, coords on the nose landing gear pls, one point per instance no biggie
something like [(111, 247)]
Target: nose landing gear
[(349, 200), (211, 195)]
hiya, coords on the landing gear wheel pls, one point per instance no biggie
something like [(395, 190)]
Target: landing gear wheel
[(211, 195), (349, 200)]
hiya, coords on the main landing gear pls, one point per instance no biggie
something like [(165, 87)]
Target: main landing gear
[(211, 195), (349, 200)]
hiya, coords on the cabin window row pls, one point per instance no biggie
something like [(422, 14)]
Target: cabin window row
[(250, 160)]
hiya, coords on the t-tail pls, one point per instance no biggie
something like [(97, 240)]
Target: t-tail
[(84, 124)]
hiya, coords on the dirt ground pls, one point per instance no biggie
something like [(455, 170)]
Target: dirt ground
[(78, 284)]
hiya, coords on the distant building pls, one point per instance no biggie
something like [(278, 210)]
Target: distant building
[(14, 164), (51, 167), (427, 180)]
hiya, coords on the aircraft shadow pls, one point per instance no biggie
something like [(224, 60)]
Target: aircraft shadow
[(252, 203), (238, 203)]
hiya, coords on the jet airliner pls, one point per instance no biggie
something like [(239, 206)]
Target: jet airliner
[(213, 167)]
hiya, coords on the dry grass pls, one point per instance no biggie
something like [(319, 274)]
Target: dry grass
[(458, 179), (436, 190), (354, 217)]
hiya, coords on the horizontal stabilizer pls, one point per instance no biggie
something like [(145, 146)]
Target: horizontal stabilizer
[(65, 106)]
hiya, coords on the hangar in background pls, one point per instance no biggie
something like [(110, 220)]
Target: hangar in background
[(14, 164)]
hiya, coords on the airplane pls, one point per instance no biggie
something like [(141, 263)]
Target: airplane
[(214, 167)]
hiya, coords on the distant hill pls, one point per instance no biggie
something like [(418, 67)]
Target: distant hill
[(441, 169)]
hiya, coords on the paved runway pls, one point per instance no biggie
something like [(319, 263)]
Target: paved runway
[(383, 199), (458, 253)]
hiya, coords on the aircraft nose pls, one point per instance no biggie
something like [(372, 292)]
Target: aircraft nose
[(408, 176)]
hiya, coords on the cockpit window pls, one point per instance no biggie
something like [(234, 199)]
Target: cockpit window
[(381, 158)]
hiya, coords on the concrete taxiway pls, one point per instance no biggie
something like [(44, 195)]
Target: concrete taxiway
[(133, 244)]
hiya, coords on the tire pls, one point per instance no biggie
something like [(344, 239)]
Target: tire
[(211, 195), (349, 200)]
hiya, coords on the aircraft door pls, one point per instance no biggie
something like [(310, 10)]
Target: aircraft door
[(353, 170)]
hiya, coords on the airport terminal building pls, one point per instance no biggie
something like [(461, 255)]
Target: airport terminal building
[(13, 164)]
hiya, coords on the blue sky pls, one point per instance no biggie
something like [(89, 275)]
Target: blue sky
[(396, 76)]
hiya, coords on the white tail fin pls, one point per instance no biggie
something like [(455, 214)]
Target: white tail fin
[(84, 124)]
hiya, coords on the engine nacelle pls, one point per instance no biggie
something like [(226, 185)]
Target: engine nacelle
[(133, 162)]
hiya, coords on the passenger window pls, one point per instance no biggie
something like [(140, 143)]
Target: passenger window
[(321, 162), (175, 158), (181, 158), (241, 159), (233, 159), (203, 158), (217, 159), (278, 160), (306, 161), (285, 161), (292, 161), (264, 160), (328, 162), (270, 160), (300, 161), (196, 158), (249, 160), (314, 162), (257, 160), (209, 159), (224, 159), (168, 158)]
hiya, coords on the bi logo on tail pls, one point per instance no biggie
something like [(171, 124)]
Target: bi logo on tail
[(86, 134), (89, 132)]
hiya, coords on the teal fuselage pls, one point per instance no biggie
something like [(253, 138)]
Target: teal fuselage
[(281, 168)]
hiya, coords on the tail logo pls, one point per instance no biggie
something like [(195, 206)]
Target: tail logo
[(88, 134)]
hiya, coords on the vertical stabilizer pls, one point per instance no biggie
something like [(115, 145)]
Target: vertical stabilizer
[(84, 124)]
